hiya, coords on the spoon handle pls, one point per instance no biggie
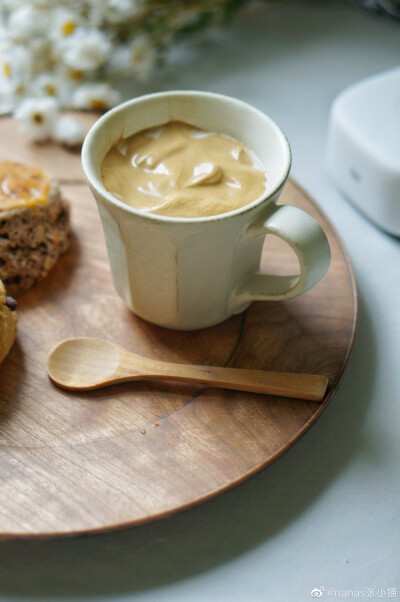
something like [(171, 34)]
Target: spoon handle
[(286, 384)]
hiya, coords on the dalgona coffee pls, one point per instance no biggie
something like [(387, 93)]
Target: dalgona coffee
[(179, 170)]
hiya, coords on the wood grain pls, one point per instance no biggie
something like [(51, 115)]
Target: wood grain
[(85, 462)]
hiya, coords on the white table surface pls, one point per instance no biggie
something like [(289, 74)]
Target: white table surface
[(327, 512)]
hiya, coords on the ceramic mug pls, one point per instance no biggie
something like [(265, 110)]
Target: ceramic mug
[(190, 273)]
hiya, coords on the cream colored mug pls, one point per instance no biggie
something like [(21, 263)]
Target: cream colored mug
[(190, 273)]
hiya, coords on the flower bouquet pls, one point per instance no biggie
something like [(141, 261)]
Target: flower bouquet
[(59, 54)]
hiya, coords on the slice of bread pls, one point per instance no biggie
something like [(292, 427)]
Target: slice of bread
[(34, 225)]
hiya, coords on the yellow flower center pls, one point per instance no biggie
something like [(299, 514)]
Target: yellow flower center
[(68, 27), (77, 75), (51, 91), (137, 57), (37, 118), (96, 103), (6, 70)]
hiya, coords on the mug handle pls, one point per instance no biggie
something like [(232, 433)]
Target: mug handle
[(309, 242)]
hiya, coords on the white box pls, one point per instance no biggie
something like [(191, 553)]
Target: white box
[(363, 149)]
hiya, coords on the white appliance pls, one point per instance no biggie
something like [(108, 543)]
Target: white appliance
[(363, 149)]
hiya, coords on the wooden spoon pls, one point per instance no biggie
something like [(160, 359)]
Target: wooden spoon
[(87, 363)]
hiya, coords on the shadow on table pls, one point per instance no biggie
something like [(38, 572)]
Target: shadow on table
[(215, 533), (12, 371)]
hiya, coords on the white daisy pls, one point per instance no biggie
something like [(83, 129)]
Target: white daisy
[(69, 131), (119, 11), (139, 58), (112, 11), (15, 63), (52, 84), (27, 22), (64, 22), (85, 49), (95, 96), (42, 56), (36, 117), (12, 93)]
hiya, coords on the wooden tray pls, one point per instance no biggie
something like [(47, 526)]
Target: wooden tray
[(78, 463)]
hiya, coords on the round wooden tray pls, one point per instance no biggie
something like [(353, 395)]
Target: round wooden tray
[(85, 462)]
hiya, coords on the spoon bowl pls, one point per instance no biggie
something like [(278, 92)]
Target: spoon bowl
[(76, 363)]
